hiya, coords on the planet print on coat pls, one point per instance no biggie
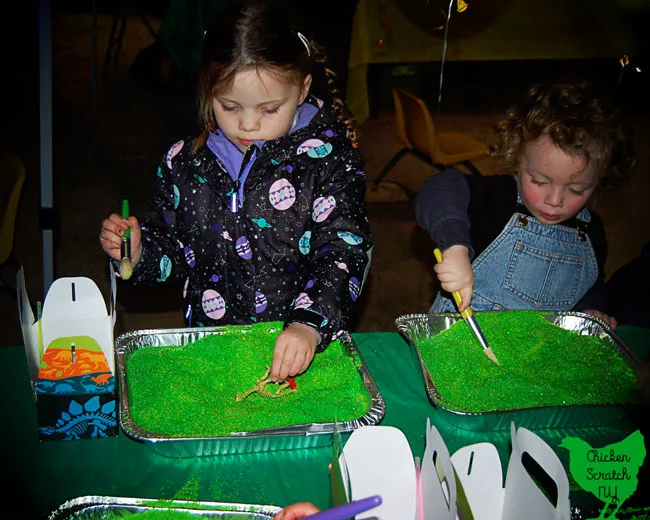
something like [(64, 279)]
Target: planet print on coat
[(320, 151), (349, 238), (323, 206), (190, 258), (355, 288), (303, 244), (165, 268), (213, 304), (261, 223), (308, 145), (303, 301), (282, 194), (177, 196), (260, 302), (243, 248), (173, 152)]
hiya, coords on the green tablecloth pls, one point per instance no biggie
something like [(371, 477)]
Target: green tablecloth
[(40, 476)]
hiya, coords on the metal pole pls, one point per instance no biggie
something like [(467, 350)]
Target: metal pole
[(94, 60), (46, 220)]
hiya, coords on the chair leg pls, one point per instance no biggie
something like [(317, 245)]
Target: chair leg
[(112, 42), (152, 32), (8, 290), (6, 287), (473, 169), (396, 158)]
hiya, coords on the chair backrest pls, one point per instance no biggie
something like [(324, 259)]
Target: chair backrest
[(12, 178), (414, 123)]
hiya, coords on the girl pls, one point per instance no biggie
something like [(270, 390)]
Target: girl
[(533, 242), (263, 215)]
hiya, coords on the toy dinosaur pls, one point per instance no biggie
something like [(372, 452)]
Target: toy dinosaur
[(260, 388)]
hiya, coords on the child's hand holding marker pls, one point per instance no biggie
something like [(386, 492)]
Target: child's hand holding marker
[(121, 239)]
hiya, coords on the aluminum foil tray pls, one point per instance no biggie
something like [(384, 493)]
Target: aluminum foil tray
[(270, 439), (104, 508), (416, 328)]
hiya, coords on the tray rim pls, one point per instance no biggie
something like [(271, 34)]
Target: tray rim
[(434, 396), (374, 416), (81, 503)]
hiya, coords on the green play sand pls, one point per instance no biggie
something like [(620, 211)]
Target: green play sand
[(541, 365), (189, 390)]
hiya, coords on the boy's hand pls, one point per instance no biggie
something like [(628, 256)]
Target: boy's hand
[(455, 273), (297, 511), (294, 351), (110, 237), (610, 320)]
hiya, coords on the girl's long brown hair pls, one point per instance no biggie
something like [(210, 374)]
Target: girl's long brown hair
[(262, 35)]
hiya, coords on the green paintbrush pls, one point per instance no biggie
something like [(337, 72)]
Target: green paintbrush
[(126, 267)]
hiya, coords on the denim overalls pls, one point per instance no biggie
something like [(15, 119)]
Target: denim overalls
[(531, 265)]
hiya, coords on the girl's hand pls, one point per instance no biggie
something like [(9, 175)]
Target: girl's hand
[(110, 237), (455, 273), (294, 351), (610, 320), (297, 511)]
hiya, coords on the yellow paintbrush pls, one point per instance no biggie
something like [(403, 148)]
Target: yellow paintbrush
[(468, 315)]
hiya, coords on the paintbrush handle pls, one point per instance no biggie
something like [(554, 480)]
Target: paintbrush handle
[(467, 313), (125, 214)]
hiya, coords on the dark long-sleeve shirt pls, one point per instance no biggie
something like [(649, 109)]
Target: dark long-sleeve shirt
[(458, 209)]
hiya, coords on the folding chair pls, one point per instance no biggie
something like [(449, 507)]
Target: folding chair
[(416, 131)]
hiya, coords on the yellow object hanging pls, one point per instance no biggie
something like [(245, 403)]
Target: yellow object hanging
[(462, 6)]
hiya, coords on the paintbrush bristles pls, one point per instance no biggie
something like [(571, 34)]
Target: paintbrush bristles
[(490, 354), (126, 268)]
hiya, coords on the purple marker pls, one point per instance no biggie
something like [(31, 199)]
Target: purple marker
[(349, 510)]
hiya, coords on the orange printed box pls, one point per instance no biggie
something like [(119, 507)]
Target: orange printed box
[(69, 349)]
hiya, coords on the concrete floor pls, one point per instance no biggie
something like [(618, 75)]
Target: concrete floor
[(102, 156)]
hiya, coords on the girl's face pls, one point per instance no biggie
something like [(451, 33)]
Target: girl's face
[(554, 185), (260, 106)]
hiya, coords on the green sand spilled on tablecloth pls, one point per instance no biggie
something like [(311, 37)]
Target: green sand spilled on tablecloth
[(171, 514), (541, 365), (190, 390)]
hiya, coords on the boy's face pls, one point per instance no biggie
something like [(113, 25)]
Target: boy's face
[(554, 185), (260, 106)]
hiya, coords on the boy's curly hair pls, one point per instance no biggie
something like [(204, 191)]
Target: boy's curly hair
[(577, 120)]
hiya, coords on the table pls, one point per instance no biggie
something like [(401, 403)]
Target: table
[(40, 476)]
